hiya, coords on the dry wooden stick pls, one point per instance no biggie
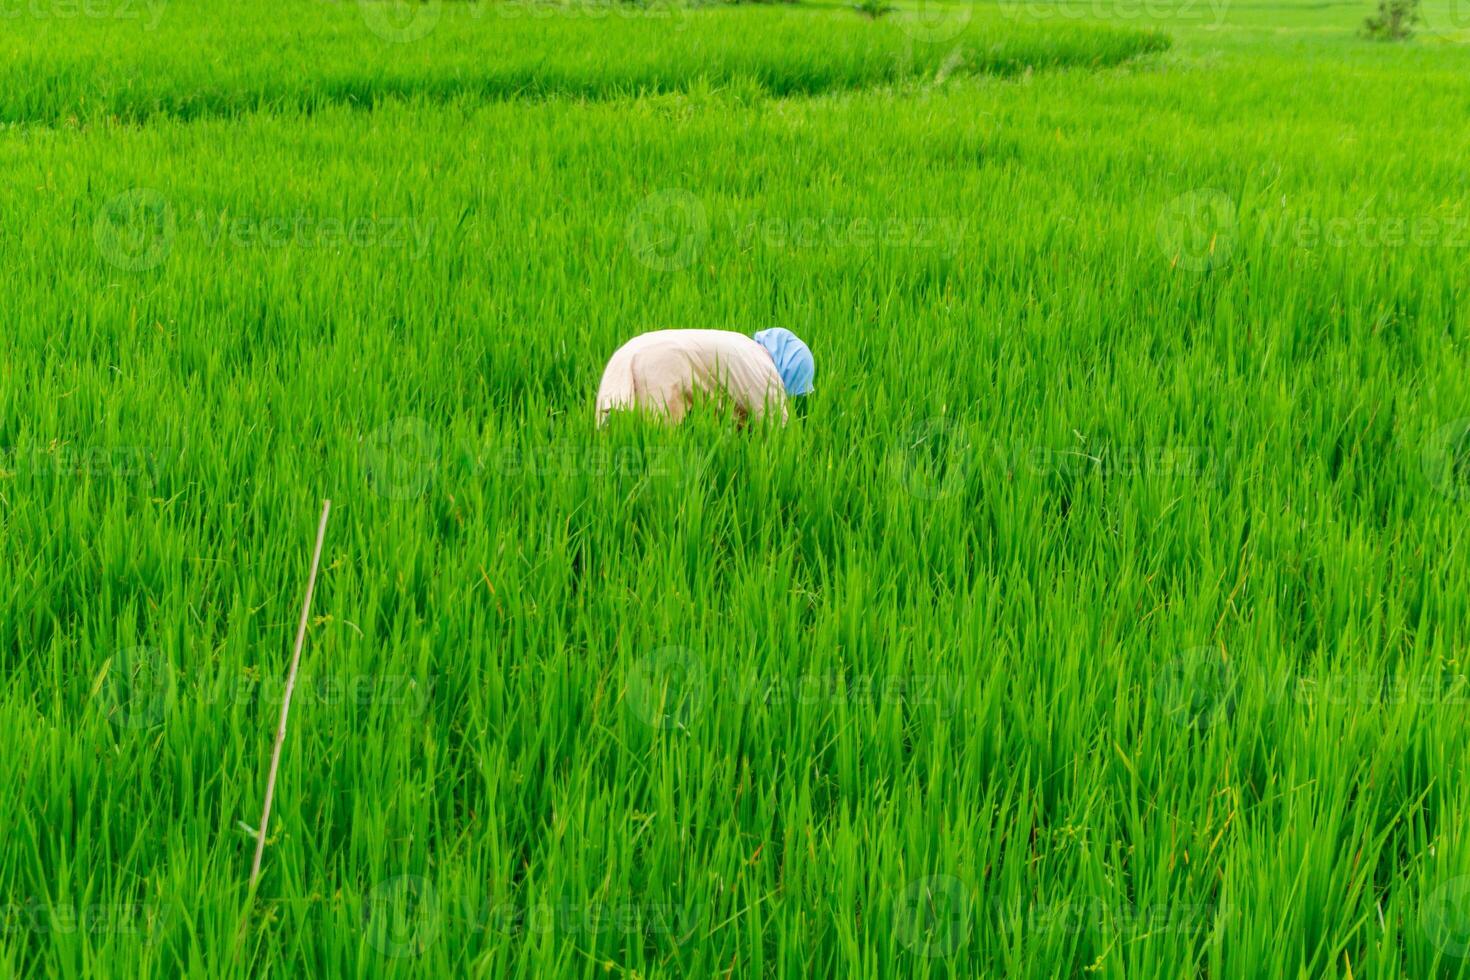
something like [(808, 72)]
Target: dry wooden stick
[(270, 784)]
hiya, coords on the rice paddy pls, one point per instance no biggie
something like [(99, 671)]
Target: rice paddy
[(1103, 613)]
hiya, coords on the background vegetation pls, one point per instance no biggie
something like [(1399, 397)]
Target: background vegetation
[(1106, 613)]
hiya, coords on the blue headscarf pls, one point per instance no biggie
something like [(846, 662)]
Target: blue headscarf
[(793, 359)]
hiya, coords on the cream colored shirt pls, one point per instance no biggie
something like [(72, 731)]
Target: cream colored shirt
[(663, 371)]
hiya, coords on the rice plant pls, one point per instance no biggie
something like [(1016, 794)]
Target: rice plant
[(1104, 613)]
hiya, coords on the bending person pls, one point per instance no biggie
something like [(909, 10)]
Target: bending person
[(663, 372)]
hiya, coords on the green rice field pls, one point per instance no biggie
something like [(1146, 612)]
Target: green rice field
[(1103, 613)]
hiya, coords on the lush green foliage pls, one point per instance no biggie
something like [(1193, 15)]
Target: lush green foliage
[(188, 58), (1394, 20), (1104, 612)]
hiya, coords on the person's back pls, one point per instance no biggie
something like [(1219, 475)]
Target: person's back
[(663, 372)]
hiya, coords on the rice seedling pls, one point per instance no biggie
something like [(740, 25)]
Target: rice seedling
[(1103, 613)]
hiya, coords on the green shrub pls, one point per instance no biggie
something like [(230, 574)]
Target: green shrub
[(873, 8), (1394, 21)]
